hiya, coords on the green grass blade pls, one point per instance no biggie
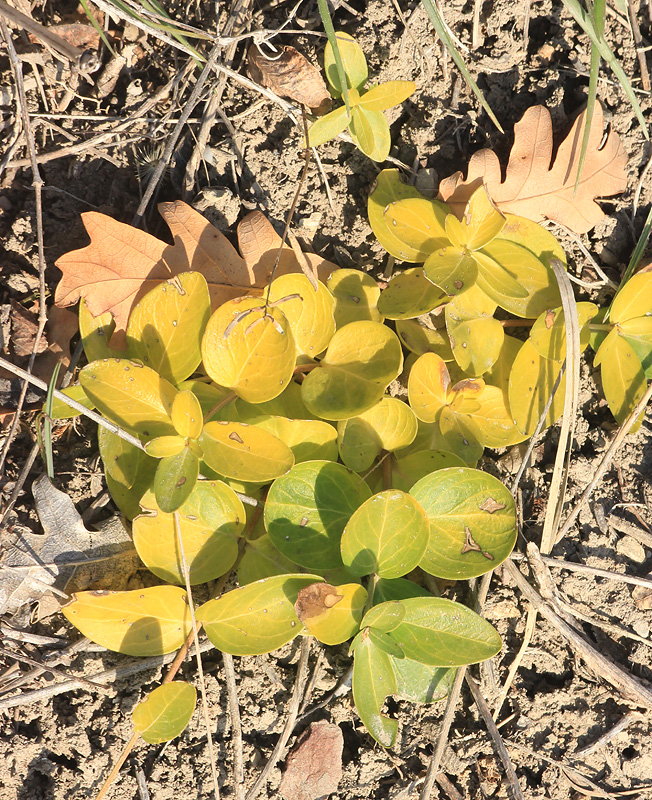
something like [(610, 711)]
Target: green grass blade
[(440, 28), (160, 26), (327, 22), (91, 18), (47, 424), (635, 260), (598, 18), (587, 23)]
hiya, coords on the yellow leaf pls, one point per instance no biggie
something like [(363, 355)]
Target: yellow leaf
[(310, 313)]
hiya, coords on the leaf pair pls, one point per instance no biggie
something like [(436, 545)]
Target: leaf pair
[(367, 124)]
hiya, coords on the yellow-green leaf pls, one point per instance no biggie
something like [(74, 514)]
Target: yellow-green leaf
[(61, 410), (134, 396), (476, 341), (309, 439), (623, 377), (548, 334), (256, 618), (370, 132), (211, 521), (531, 382), (142, 622), (165, 712), (187, 415), (389, 188), (328, 127), (164, 446), (96, 333), (410, 294), (166, 326), (452, 270), (175, 477), (419, 226), (310, 313), (332, 614), (129, 471), (634, 299), (482, 221), (420, 339), (362, 359), (355, 63), (249, 350), (244, 452), (391, 93), (356, 296), (428, 385)]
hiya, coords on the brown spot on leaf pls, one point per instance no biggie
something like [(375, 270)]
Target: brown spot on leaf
[(235, 437), (470, 545), (314, 600), (490, 505), (549, 318)]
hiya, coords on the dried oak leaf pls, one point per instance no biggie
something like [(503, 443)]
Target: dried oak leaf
[(538, 188), (290, 75), (121, 264)]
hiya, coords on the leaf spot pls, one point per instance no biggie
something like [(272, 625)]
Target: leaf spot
[(470, 545), (490, 505)]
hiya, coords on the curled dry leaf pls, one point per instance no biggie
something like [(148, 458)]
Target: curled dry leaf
[(291, 75), (538, 188), (122, 264)]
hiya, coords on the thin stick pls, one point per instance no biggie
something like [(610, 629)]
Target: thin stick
[(236, 726), (627, 684), (623, 722), (640, 50), (48, 668), (571, 566), (497, 739), (293, 711), (37, 183), (606, 461), (200, 669), (442, 739)]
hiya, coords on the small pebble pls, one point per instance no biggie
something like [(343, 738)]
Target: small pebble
[(630, 548), (426, 182), (642, 627)]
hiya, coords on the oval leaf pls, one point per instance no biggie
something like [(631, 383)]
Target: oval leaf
[(391, 93), (356, 296), (420, 339), (332, 614), (249, 350), (410, 294), (373, 681), (472, 523), (419, 225), (210, 523), (387, 535), (187, 415), (310, 313), (370, 132), (142, 622), (307, 509), (166, 326), (256, 618), (134, 396), (531, 382), (389, 188), (165, 712), (355, 64), (175, 478), (244, 452)]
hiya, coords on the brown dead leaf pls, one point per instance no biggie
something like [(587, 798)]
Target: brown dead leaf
[(643, 596), (83, 36), (291, 75), (121, 264), (534, 186), (314, 768), (61, 326), (24, 324)]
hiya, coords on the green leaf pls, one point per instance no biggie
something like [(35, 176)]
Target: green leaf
[(129, 471), (165, 327), (419, 226), (397, 589), (165, 712), (262, 560), (388, 188), (328, 127), (495, 277), (384, 617), (211, 521), (256, 618), (531, 382), (472, 523), (481, 222), (498, 374), (421, 683), (387, 95), (389, 425), (307, 509), (175, 478), (244, 452), (332, 614), (410, 294), (373, 681), (355, 63), (407, 470), (623, 377), (142, 622), (310, 313), (637, 332), (249, 350), (370, 132), (548, 334), (362, 359), (387, 535), (421, 339), (207, 393), (134, 396), (356, 296), (442, 633), (164, 446), (428, 385)]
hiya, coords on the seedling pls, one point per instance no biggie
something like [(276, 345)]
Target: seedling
[(366, 123)]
